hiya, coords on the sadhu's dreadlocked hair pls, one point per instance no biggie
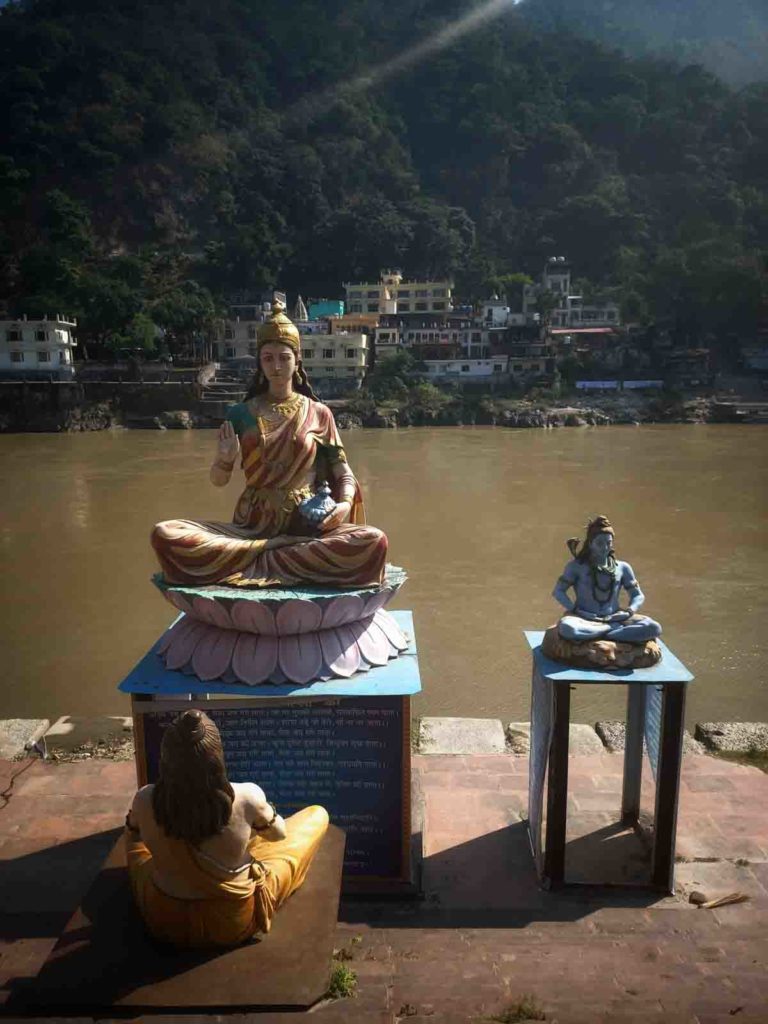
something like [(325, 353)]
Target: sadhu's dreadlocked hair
[(600, 524), (192, 799)]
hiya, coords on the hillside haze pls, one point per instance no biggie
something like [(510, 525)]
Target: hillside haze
[(730, 39)]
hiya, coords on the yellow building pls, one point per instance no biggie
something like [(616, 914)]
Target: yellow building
[(354, 323), (393, 295), (335, 362)]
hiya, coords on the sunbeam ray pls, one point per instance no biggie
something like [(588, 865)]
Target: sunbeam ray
[(312, 106)]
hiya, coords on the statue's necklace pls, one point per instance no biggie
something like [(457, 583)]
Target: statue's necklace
[(603, 579), (284, 409), (287, 407)]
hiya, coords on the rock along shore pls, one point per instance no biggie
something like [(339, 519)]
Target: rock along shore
[(528, 413)]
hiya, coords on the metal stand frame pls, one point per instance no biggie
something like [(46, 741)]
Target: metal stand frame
[(550, 737)]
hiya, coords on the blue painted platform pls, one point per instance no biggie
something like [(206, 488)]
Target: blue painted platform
[(400, 677), (669, 670)]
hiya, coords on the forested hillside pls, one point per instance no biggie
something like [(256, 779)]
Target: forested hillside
[(157, 158)]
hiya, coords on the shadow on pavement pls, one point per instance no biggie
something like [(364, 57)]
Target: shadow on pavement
[(490, 882)]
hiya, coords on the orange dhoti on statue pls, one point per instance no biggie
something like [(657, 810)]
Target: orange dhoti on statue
[(232, 911), (277, 461)]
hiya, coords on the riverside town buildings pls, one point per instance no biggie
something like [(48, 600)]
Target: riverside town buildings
[(489, 344), (335, 361), (393, 295), (334, 349), (38, 348), (570, 310), (236, 336)]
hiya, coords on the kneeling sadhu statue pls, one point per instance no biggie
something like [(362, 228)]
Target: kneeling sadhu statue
[(210, 861)]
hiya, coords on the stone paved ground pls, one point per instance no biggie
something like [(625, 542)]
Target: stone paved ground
[(485, 935)]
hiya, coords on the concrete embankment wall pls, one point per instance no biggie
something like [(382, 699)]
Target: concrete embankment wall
[(89, 405), (95, 403)]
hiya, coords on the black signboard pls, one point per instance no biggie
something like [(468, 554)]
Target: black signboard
[(350, 755)]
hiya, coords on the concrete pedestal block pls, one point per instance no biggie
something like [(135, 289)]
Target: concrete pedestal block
[(105, 964)]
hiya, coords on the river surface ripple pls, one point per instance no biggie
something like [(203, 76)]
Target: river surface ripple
[(477, 515)]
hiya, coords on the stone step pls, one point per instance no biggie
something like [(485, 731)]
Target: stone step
[(582, 739), (20, 734), (461, 736)]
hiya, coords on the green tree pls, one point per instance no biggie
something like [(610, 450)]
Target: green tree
[(426, 396), (142, 332), (511, 286), (392, 376)]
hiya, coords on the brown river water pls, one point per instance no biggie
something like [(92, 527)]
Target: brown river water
[(477, 515)]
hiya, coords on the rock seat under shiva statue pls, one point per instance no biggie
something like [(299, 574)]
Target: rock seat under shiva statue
[(596, 632), (297, 634), (607, 654)]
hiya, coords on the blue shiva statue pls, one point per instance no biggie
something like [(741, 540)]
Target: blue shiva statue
[(596, 579)]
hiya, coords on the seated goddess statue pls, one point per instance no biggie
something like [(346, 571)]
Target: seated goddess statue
[(288, 447), (595, 629), (210, 861)]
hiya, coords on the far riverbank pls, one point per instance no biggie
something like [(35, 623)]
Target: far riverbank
[(543, 412), (84, 406)]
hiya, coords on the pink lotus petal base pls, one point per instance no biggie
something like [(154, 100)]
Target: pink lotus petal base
[(338, 651)]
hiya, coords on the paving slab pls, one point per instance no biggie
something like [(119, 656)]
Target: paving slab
[(461, 736), (485, 935)]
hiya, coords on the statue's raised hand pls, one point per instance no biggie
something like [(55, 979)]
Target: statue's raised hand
[(229, 443)]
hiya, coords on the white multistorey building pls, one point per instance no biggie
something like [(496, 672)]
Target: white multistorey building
[(570, 310), (495, 312), (38, 348), (388, 339), (237, 334), (393, 295), (335, 363), (237, 337)]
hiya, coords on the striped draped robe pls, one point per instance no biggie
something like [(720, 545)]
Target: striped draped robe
[(277, 460)]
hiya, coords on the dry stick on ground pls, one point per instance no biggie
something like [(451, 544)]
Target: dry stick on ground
[(701, 900), (724, 901)]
